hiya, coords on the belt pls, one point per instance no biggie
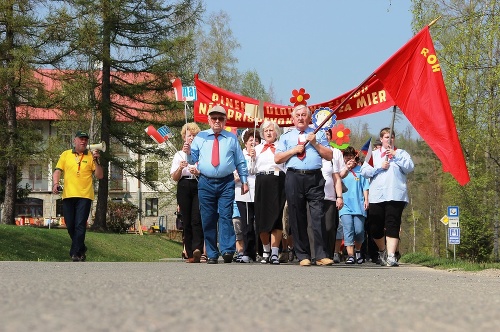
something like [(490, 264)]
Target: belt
[(266, 173), (304, 171), (188, 177), (221, 178)]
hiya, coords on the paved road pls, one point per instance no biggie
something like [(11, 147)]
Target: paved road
[(175, 296)]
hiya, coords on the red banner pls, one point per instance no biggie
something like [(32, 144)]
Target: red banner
[(411, 79), (371, 98)]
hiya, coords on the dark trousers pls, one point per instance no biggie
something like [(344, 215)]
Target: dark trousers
[(304, 190), (331, 225), (76, 212), (247, 215), (189, 205), (385, 218)]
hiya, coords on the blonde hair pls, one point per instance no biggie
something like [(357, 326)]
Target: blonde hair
[(192, 127)]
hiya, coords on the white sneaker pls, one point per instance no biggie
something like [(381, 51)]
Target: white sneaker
[(245, 259), (391, 260), (382, 257)]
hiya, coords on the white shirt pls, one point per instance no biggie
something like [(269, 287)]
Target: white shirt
[(330, 167)]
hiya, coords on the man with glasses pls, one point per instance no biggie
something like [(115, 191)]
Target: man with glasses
[(218, 154)]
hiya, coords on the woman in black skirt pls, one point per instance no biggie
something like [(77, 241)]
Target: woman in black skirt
[(269, 193)]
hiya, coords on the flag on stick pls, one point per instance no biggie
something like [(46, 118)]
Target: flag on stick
[(367, 151), (255, 111)]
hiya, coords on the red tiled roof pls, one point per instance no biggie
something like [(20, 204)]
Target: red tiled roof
[(49, 78)]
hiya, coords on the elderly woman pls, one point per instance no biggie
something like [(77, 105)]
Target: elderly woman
[(187, 197), (269, 193)]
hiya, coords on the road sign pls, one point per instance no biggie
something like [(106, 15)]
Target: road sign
[(453, 211), (453, 222), (454, 235), (444, 220)]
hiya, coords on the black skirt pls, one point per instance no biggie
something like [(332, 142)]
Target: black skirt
[(269, 202)]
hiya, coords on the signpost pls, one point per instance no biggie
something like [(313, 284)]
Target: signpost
[(453, 222)]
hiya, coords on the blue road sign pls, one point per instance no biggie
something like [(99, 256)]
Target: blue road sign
[(453, 211), (454, 235)]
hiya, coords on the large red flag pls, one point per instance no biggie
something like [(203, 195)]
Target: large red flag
[(413, 78)]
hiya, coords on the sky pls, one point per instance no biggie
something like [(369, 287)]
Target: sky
[(327, 47)]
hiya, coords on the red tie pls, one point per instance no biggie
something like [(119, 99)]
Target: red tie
[(302, 155), (269, 145), (215, 151)]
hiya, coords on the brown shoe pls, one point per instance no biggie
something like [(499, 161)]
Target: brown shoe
[(190, 260), (324, 261), (196, 256), (305, 262)]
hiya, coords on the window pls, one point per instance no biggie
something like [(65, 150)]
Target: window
[(151, 171), (29, 207), (35, 177), (116, 181), (59, 208), (151, 207)]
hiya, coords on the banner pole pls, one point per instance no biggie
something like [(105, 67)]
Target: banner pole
[(342, 103)]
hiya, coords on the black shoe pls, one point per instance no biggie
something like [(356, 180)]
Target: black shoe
[(212, 261), (227, 257), (76, 258)]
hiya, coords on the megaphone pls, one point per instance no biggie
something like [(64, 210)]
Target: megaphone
[(100, 146)]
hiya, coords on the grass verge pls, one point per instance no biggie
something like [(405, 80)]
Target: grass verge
[(446, 263), (43, 244)]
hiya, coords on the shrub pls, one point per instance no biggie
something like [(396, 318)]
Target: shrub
[(121, 216)]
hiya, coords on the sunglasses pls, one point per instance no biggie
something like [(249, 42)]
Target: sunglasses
[(220, 118)]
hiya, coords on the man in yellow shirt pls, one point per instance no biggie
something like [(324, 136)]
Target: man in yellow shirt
[(78, 165)]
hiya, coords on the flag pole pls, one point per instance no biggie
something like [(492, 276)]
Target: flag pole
[(434, 21), (343, 102), (391, 130)]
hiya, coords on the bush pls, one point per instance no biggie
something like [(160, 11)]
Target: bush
[(121, 216)]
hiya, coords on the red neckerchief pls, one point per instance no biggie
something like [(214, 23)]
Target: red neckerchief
[(269, 145), (382, 154)]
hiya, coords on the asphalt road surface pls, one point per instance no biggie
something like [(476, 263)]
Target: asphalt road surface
[(175, 296)]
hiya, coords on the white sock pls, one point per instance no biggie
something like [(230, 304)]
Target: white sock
[(267, 249), (275, 251)]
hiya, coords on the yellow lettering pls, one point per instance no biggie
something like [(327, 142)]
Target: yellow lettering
[(361, 102), (431, 59), (215, 97), (436, 68), (424, 52), (238, 116), (230, 113), (374, 98), (202, 109), (381, 96)]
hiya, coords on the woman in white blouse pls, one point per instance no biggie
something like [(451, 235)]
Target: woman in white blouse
[(187, 197), (269, 192)]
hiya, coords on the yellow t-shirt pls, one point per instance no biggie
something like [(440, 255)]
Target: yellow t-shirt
[(77, 169)]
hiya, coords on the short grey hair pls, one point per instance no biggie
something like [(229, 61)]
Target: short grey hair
[(299, 107), (268, 123)]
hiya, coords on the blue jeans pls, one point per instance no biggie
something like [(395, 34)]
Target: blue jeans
[(354, 228), (76, 212), (216, 196)]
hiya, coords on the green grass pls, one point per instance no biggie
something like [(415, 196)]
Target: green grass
[(43, 244), (446, 263)]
